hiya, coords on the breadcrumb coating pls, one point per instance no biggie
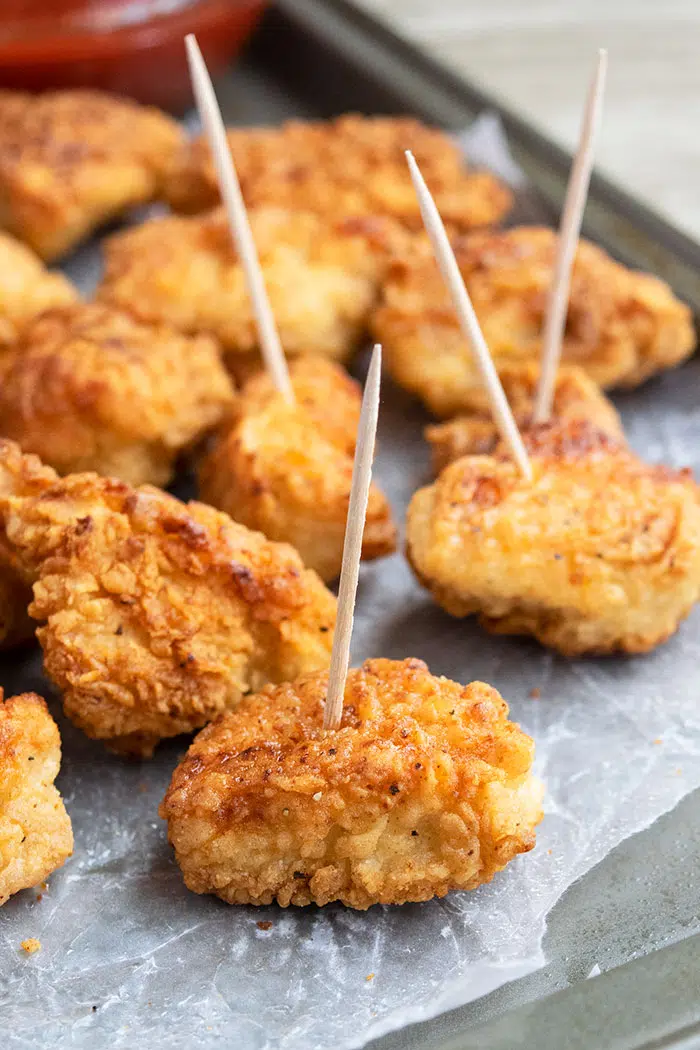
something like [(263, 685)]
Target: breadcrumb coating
[(353, 165), (599, 553), (20, 476), (35, 830), (622, 326), (87, 387), (72, 160), (576, 397), (280, 470), (26, 288), (158, 616), (425, 788), (322, 277)]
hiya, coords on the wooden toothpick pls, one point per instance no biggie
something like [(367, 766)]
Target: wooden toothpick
[(469, 324), (569, 230), (210, 115), (352, 548)]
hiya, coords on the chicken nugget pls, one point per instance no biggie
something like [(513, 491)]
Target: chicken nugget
[(282, 470), (35, 830), (599, 553), (622, 326), (425, 788), (575, 397), (87, 387), (26, 288), (322, 277), (352, 165), (72, 160), (21, 476), (159, 615)]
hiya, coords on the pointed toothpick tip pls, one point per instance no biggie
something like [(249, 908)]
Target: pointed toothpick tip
[(239, 224), (352, 548), (471, 329), (567, 243)]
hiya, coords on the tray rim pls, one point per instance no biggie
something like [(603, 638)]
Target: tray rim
[(615, 218)]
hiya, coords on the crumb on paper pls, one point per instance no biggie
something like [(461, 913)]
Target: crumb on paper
[(369, 977), (31, 945), (549, 852), (658, 740), (264, 925), (535, 693), (40, 896)]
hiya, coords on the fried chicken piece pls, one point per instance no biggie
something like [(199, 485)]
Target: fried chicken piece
[(622, 326), (26, 288), (600, 553), (89, 388), (21, 476), (352, 165), (286, 469), (576, 397), (159, 616), (322, 277), (425, 788), (35, 830), (72, 160)]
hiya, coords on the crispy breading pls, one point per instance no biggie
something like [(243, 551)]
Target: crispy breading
[(622, 326), (72, 160), (159, 616), (325, 391), (352, 165), (576, 396), (35, 830), (281, 470), (20, 476), (87, 387), (599, 553), (26, 288), (425, 788), (322, 277)]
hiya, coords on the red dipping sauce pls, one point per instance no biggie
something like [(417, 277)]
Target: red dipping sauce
[(131, 47)]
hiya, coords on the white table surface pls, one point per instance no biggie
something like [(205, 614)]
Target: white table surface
[(537, 56)]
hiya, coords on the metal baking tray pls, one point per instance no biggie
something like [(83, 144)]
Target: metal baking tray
[(636, 915)]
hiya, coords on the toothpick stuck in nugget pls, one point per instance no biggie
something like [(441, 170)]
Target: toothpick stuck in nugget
[(569, 231), (210, 115), (352, 549), (286, 469), (467, 318)]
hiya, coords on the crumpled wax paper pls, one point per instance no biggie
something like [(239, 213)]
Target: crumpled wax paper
[(131, 959)]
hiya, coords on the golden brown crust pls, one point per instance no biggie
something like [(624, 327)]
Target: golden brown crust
[(26, 288), (576, 397), (35, 830), (19, 476), (622, 326), (89, 388), (71, 160), (328, 395), (600, 553), (425, 788), (159, 615), (278, 469), (352, 165), (322, 277)]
